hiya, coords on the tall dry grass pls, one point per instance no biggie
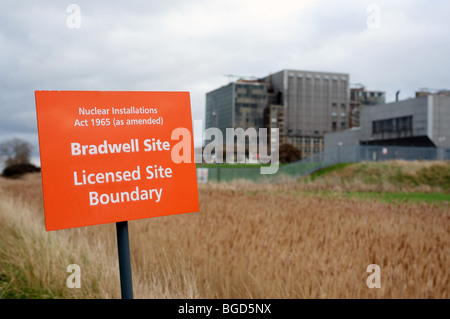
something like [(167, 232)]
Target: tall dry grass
[(33, 262), (248, 241)]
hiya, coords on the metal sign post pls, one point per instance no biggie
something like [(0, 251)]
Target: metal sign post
[(123, 245), (114, 156)]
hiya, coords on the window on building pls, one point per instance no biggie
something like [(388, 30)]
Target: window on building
[(399, 124), (334, 127), (405, 123)]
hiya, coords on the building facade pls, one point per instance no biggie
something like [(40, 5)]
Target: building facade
[(238, 104), (418, 122), (314, 103), (303, 105), (360, 98)]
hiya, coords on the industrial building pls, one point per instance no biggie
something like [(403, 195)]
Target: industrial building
[(418, 122), (304, 105), (238, 104), (314, 103), (360, 98)]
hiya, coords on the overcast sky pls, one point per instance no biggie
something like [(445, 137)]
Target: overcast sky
[(187, 45)]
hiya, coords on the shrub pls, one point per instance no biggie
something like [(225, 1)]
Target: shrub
[(17, 170)]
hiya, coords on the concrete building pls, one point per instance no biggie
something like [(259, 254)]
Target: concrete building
[(360, 98), (314, 104), (274, 118), (418, 122), (238, 104), (426, 92), (304, 105)]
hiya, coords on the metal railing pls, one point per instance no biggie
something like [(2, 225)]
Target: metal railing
[(339, 154)]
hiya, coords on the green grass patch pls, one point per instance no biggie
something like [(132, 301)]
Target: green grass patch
[(328, 170), (19, 287), (402, 174), (389, 197)]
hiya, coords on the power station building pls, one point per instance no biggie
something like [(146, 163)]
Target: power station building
[(238, 104), (304, 105), (360, 98), (418, 122)]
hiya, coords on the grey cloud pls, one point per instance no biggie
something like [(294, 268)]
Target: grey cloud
[(190, 45)]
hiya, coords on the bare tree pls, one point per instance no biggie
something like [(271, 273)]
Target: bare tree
[(15, 151)]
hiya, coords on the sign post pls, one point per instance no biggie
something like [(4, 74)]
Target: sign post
[(123, 248), (115, 156)]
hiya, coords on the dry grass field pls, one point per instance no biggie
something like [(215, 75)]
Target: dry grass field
[(248, 241)]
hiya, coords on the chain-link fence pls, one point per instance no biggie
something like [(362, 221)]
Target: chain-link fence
[(340, 154)]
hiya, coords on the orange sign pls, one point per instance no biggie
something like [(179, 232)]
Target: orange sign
[(115, 156)]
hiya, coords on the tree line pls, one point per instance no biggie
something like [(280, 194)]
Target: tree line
[(15, 155)]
